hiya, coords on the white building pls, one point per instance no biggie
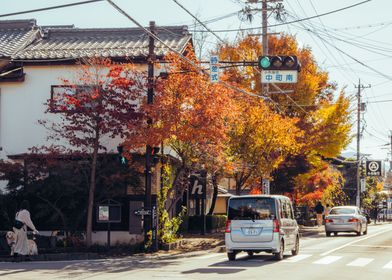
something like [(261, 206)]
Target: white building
[(35, 58)]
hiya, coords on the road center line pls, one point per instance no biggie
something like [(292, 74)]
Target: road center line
[(355, 241), (372, 246)]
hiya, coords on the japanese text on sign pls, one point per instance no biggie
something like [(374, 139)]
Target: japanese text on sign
[(281, 76), (214, 69)]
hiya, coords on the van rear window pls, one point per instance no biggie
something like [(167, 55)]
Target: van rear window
[(251, 209)]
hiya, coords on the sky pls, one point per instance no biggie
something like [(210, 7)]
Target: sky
[(353, 44)]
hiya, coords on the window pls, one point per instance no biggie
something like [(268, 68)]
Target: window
[(340, 211), (65, 97), (287, 211), (251, 209)]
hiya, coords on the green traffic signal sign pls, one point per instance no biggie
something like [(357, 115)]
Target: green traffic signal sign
[(279, 62), (264, 62), (123, 160)]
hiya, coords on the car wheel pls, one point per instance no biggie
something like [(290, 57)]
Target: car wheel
[(365, 232), (279, 255), (231, 256), (295, 251), (335, 233), (250, 253), (360, 231), (328, 233)]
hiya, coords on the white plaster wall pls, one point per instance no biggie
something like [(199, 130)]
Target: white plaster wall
[(22, 105), (116, 237)]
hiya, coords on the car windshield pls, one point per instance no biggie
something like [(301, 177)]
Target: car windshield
[(340, 211), (251, 209)]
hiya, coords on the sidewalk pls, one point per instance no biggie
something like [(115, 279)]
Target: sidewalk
[(191, 244)]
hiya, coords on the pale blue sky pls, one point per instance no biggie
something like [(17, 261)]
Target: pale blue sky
[(367, 30)]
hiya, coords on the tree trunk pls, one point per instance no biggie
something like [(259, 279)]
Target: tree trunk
[(177, 188), (214, 194), (91, 193)]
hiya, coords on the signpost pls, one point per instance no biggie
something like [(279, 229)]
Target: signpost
[(279, 76), (198, 192), (214, 69), (266, 186), (374, 168), (109, 211)]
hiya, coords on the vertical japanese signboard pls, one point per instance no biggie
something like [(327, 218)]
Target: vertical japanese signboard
[(214, 69), (266, 186)]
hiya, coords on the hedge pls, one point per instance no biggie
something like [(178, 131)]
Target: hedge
[(194, 223)]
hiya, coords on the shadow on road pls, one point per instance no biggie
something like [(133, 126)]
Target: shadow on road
[(78, 268)]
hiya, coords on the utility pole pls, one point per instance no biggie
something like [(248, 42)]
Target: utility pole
[(264, 25), (149, 220), (360, 87), (390, 162)]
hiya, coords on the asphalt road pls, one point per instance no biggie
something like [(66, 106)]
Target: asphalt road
[(343, 257)]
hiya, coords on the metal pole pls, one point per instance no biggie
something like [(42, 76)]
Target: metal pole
[(358, 197), (390, 163), (150, 98), (264, 25)]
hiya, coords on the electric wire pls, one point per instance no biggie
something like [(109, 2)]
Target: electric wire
[(295, 21), (223, 42), (50, 8), (200, 70)]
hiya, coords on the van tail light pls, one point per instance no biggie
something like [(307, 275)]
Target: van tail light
[(328, 221), (353, 220), (276, 226), (227, 229)]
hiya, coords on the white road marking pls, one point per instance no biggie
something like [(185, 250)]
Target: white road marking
[(297, 258), (371, 246), (360, 262), (328, 260), (388, 265), (355, 241)]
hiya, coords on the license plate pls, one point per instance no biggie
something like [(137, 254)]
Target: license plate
[(252, 231), (338, 221)]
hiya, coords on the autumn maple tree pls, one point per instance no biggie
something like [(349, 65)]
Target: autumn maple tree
[(312, 107), (189, 116), (96, 106)]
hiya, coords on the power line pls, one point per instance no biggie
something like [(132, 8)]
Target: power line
[(50, 8), (200, 70), (380, 101), (351, 57), (223, 42), (290, 22), (199, 21)]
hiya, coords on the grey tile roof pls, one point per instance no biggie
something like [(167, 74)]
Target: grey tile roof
[(15, 34), (69, 42)]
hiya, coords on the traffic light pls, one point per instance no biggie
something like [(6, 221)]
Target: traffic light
[(155, 155), (278, 62), (121, 157)]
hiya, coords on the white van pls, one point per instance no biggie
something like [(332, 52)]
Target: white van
[(261, 223)]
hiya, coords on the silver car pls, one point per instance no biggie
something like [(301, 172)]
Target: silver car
[(345, 219), (261, 223)]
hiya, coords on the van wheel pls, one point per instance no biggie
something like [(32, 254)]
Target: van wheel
[(250, 253), (231, 256), (295, 250), (279, 255)]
